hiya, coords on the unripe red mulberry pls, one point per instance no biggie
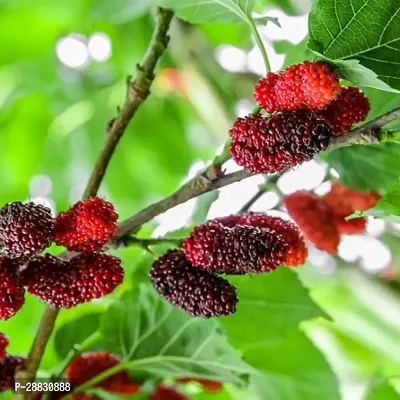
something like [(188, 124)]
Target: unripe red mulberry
[(164, 392), (351, 226), (89, 365), (87, 225), (305, 86), (344, 200), (25, 229), (349, 108), (66, 284), (315, 219), (207, 384), (8, 367), (12, 293), (3, 345), (277, 143), (264, 93), (196, 291), (238, 250), (297, 247)]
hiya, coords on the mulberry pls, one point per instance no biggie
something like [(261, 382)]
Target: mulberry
[(351, 226), (87, 225), (3, 345), (12, 293), (297, 247), (306, 86), (89, 365), (315, 218), (277, 143), (69, 283), (84, 396), (349, 108), (196, 291), (164, 392), (238, 250), (207, 384), (8, 367), (25, 229)]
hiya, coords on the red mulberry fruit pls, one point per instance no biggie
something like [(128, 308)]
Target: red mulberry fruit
[(164, 392), (12, 293), (196, 291), (349, 108), (277, 143), (87, 225), (25, 229), (306, 86), (238, 250), (89, 365), (8, 367), (207, 384), (351, 226), (3, 345), (297, 247), (315, 218), (344, 200), (69, 283), (264, 93)]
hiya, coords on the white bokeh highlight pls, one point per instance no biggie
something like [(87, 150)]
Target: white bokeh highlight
[(72, 51), (99, 47)]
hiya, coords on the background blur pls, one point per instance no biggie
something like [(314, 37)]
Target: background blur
[(63, 67)]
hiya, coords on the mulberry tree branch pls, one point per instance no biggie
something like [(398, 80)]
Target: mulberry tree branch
[(137, 92), (208, 181)]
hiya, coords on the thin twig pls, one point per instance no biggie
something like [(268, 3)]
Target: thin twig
[(137, 92)]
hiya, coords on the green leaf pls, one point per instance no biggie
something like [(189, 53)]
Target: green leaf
[(120, 11), (200, 11), (270, 305), (364, 30), (388, 207), (293, 369), (203, 204), (382, 391), (157, 338), (266, 19), (371, 167), (75, 332)]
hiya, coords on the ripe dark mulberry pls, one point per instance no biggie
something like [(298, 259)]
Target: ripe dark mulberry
[(196, 291), (25, 229), (69, 283), (12, 293), (306, 86), (297, 253), (315, 218), (277, 143), (8, 367), (349, 108), (3, 345), (207, 384), (89, 365), (87, 225), (164, 392), (237, 250)]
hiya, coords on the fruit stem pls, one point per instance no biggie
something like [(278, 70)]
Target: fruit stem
[(78, 349), (135, 241), (259, 43)]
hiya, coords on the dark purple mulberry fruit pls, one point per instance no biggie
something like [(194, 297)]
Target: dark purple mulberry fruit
[(277, 143), (25, 229), (237, 250), (66, 284), (3, 345), (12, 293), (8, 367), (196, 291)]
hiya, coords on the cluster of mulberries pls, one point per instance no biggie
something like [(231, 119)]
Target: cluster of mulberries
[(26, 229), (233, 245), (8, 366), (312, 108), (322, 220)]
